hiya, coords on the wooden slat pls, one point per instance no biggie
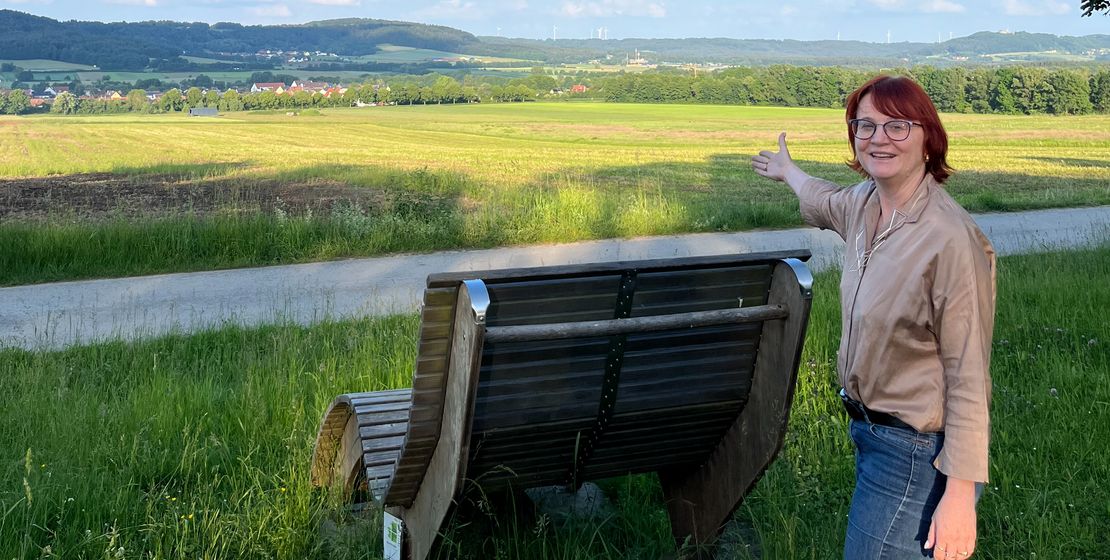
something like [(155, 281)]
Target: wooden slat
[(492, 277), (634, 324)]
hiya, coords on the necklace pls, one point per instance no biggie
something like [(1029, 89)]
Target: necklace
[(862, 257)]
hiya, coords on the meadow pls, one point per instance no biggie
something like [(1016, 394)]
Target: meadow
[(120, 195), (198, 446)]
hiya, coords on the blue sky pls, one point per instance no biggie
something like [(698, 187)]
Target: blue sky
[(864, 20)]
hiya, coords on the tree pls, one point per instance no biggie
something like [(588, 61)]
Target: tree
[(1071, 93), (64, 104), (136, 100), (211, 98), (1100, 91), (1091, 6), (231, 101), (302, 99), (171, 101), (193, 97), (18, 102)]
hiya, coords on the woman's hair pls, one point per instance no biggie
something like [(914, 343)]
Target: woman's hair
[(901, 97)]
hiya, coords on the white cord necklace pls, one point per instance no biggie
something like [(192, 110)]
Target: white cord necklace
[(862, 257)]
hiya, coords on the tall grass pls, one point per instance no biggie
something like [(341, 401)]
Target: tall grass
[(479, 176), (199, 446)]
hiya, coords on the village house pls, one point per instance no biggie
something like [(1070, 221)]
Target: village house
[(276, 87), (311, 87)]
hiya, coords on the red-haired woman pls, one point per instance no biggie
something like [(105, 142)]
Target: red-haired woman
[(917, 305)]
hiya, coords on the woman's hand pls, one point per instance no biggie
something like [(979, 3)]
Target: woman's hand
[(774, 165), (779, 166), (952, 532)]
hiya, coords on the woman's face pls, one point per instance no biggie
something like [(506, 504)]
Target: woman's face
[(890, 162)]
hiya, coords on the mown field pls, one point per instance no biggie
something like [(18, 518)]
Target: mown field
[(198, 447), (121, 195)]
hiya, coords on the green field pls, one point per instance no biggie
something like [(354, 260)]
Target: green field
[(402, 54), (419, 178), (41, 65), (199, 446)]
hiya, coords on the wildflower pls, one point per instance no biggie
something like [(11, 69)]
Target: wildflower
[(283, 489), (1052, 392)]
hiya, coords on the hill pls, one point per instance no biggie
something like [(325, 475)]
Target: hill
[(136, 46), (162, 44)]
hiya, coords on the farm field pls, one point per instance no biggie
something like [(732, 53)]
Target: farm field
[(199, 446), (121, 195)]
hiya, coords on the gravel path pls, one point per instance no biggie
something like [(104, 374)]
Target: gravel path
[(66, 313)]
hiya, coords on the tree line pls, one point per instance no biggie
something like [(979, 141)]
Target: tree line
[(1008, 90), (430, 89)]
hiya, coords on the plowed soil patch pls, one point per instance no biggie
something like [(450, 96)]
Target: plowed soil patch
[(104, 195)]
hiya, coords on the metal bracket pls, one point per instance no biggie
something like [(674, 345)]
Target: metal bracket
[(614, 359)]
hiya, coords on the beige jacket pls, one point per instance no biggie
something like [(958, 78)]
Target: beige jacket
[(917, 305)]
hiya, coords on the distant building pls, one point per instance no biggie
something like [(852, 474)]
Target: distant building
[(203, 112), (579, 88), (311, 87), (276, 87)]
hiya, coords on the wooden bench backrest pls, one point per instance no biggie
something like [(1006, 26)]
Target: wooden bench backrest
[(563, 410)]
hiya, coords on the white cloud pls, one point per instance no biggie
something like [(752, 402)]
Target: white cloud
[(608, 8), (276, 11), (924, 6), (887, 4), (1035, 8), (336, 2), (942, 6), (788, 10)]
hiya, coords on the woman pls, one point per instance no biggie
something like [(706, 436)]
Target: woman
[(917, 305)]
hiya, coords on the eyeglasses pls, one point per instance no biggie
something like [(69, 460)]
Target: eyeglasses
[(896, 130)]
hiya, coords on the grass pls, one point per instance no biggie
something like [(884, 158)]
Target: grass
[(198, 446), (43, 65), (478, 176)]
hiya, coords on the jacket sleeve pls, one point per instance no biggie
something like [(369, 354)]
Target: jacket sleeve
[(825, 205), (963, 310)]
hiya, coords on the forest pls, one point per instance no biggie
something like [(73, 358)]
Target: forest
[(1004, 90)]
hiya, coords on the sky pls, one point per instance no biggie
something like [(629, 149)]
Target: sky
[(861, 20)]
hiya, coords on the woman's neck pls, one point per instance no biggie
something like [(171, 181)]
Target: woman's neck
[(896, 194)]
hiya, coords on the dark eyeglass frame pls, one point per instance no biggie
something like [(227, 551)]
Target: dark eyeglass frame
[(854, 125)]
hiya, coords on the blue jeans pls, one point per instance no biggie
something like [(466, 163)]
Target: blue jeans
[(897, 490)]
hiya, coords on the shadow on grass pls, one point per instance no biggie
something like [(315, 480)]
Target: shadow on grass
[(1072, 162), (212, 216), (184, 170)]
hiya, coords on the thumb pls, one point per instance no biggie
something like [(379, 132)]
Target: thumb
[(782, 144), (931, 540)]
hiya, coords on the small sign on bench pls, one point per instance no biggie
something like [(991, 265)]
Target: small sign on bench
[(392, 529)]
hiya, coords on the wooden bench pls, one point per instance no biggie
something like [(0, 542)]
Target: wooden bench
[(557, 375)]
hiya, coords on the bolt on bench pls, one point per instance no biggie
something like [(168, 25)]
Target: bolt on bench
[(558, 375)]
